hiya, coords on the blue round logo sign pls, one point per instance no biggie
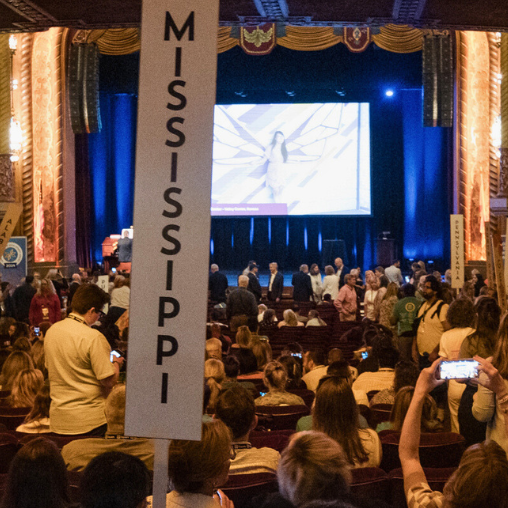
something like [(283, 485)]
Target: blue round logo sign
[(12, 257)]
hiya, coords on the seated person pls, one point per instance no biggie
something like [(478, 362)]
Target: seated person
[(290, 319), (314, 319), (314, 367), (25, 387), (236, 409), (430, 423), (37, 421), (213, 348), (243, 350), (336, 414), (216, 333), (115, 480), (336, 355), (214, 376), (232, 370), (262, 308), (262, 351), (293, 366), (481, 478), (78, 453), (342, 369), (275, 379), (382, 379), (269, 319), (406, 374)]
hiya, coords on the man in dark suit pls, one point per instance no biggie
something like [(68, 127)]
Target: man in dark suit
[(217, 284), (341, 270), (22, 299), (254, 286), (276, 284), (241, 307), (302, 285)]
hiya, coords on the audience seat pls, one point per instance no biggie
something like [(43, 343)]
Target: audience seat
[(59, 439), (379, 413), (277, 439), (372, 483), (437, 450), (371, 393), (241, 488), (437, 478), (13, 417), (280, 417), (307, 395)]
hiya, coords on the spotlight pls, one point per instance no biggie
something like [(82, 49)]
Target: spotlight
[(389, 92), (290, 93)]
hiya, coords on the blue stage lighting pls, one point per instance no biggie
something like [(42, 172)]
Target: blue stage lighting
[(389, 93)]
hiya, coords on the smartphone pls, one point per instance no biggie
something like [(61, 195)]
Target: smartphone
[(114, 354), (37, 331), (113, 270), (299, 355), (365, 355), (262, 393), (406, 278), (459, 369)]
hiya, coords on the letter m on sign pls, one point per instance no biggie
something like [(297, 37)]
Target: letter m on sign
[(170, 25)]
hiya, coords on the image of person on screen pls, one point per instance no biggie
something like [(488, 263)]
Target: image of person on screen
[(277, 155)]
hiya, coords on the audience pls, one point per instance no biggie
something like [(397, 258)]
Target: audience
[(242, 350), (115, 480), (13, 365), (387, 358), (25, 387), (214, 376), (314, 367), (37, 421), (406, 374), (275, 379), (290, 319), (237, 410)]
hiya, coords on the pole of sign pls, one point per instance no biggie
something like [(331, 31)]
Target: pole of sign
[(168, 306), (491, 277), (457, 250)]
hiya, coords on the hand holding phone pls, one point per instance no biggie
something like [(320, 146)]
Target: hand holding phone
[(459, 369), (116, 355)]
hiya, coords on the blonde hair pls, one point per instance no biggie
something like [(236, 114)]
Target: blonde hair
[(244, 337), (214, 375), (290, 318), (275, 376), (500, 359), (16, 361), (391, 290), (25, 387), (313, 467), (263, 353), (329, 270), (191, 464), (401, 405), (213, 348)]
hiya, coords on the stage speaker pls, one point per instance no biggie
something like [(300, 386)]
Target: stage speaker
[(437, 81), (84, 88)]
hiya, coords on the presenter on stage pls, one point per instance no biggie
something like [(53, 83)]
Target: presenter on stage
[(277, 155), (125, 252)]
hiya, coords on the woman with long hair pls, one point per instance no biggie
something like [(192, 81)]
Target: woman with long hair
[(45, 305), (197, 468), (314, 319), (242, 349), (15, 363), (386, 306), (275, 379), (486, 407), (290, 319), (37, 478), (25, 387), (214, 377), (317, 283), (481, 342), (37, 421), (335, 413)]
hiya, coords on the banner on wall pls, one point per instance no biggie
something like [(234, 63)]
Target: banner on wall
[(13, 262), (457, 250), (8, 224), (172, 219)]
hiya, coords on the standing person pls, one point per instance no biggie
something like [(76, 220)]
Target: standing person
[(431, 325), (217, 284), (460, 316), (317, 283), (45, 304), (387, 305), (330, 283), (254, 286), (404, 313), (394, 274), (73, 286), (241, 306), (341, 272), (345, 303), (302, 285), (22, 297), (276, 284), (125, 252), (370, 299), (80, 372)]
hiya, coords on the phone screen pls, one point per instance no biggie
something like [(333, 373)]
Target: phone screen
[(459, 369), (299, 355), (37, 330), (365, 355)]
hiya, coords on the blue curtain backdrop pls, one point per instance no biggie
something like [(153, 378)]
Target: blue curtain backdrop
[(427, 186), (111, 159), (410, 165)]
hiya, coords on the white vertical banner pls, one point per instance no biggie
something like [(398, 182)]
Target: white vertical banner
[(171, 218), (457, 250)]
